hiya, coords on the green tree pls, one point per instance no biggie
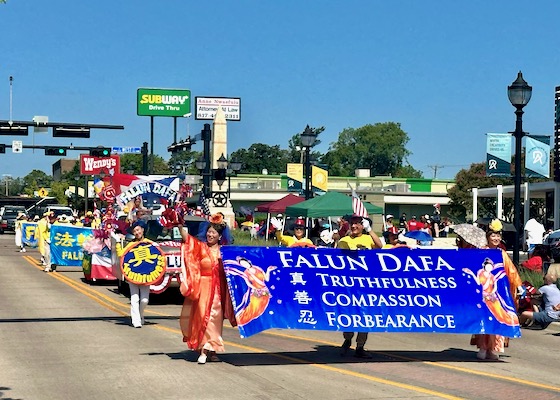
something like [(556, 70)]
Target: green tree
[(36, 180), (461, 194), (296, 150), (408, 171), (381, 148), (58, 190), (261, 156), (184, 162), (133, 162)]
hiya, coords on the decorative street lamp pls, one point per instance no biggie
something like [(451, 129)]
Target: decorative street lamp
[(519, 94), (219, 175), (308, 138)]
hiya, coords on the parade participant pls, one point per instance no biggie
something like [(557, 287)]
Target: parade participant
[(354, 241), (298, 240), (468, 236), (207, 300), (21, 218), (87, 219), (44, 229), (551, 301), (139, 294)]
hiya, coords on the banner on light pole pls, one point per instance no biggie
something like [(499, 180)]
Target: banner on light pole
[(537, 157), (498, 154)]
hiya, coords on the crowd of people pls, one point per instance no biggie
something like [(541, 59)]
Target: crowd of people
[(207, 302)]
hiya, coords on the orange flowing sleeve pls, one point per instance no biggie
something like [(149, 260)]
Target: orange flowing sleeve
[(192, 252), (513, 276)]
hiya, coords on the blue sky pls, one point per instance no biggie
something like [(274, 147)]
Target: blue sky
[(440, 68)]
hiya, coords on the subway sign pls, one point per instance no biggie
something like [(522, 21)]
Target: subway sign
[(163, 102)]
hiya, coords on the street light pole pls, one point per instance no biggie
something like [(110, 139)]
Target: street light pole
[(307, 140), (206, 134), (519, 94), (7, 178)]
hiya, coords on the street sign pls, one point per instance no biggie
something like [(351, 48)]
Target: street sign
[(42, 192), (126, 150), (17, 146)]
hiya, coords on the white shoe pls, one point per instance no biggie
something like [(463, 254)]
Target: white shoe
[(23, 250), (481, 355), (492, 356), (202, 358), (47, 270)]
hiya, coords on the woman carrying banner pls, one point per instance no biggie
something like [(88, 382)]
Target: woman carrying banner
[(491, 345), (203, 283)]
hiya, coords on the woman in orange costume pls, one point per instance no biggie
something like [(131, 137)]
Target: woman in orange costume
[(207, 300), (258, 296), (491, 345)]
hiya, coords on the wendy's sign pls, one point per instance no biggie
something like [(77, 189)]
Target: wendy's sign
[(90, 165), (398, 290)]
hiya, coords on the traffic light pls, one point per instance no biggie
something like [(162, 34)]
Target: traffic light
[(55, 151), (100, 152), (2, 148)]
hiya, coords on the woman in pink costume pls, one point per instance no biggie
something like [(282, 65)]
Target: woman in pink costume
[(207, 300)]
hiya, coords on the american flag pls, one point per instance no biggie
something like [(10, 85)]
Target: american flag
[(202, 209), (357, 206)]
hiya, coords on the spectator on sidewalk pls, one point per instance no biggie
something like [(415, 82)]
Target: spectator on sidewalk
[(551, 301), (534, 232), (413, 224)]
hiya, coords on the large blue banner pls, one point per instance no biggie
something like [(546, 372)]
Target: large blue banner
[(397, 290), (66, 244), (29, 234)]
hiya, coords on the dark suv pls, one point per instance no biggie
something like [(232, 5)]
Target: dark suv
[(8, 215)]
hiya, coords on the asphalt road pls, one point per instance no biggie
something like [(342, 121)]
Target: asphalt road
[(62, 338)]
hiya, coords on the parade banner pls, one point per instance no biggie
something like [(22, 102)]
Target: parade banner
[(29, 234), (143, 263), (66, 244), (498, 154), (398, 290), (537, 159), (151, 188)]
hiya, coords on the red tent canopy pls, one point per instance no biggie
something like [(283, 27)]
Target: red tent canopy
[(279, 206)]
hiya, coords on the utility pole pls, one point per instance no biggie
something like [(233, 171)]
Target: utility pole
[(435, 168)]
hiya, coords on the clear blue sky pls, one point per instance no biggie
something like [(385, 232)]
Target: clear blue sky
[(440, 68)]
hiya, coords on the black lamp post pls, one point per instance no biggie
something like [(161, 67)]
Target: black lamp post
[(77, 179), (203, 163), (519, 94), (307, 140), (234, 167)]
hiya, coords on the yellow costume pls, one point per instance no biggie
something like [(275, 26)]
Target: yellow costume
[(291, 241), (363, 241)]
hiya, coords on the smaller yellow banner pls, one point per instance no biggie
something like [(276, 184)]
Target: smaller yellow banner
[(319, 178), (295, 172)]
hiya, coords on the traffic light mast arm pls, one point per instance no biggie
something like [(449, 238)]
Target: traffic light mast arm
[(60, 124)]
